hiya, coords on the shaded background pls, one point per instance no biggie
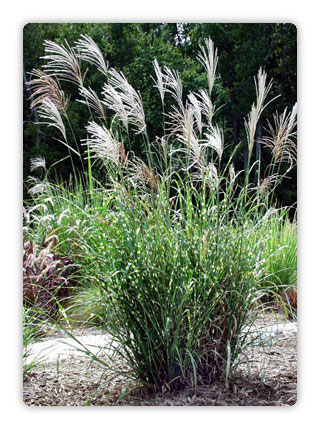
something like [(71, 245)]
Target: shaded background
[(242, 49)]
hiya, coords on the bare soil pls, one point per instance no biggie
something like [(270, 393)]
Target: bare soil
[(271, 379)]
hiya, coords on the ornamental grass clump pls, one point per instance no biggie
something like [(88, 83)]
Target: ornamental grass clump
[(181, 291), (176, 240), (48, 273), (46, 278)]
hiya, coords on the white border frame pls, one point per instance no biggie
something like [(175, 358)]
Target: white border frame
[(306, 18)]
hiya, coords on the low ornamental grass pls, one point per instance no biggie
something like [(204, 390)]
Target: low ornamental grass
[(47, 276), (174, 250), (281, 261), (281, 268)]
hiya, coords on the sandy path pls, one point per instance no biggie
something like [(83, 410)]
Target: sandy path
[(67, 347)]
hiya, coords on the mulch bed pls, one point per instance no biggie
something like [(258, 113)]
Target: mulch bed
[(271, 381)]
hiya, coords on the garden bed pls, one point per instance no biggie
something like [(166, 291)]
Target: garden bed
[(74, 380)]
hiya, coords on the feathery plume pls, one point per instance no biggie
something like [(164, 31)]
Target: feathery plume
[(43, 220), (262, 90), (208, 57), (282, 135), (232, 174), (193, 151), (196, 152), (45, 86), (51, 114), (39, 186), (102, 144), (173, 85), (181, 123), (140, 173), (62, 62), (206, 105), (63, 215), (113, 101), (164, 146), (89, 51), (91, 99), (266, 183), (215, 140), (159, 81), (36, 163), (208, 174), (125, 101), (196, 110), (212, 176)]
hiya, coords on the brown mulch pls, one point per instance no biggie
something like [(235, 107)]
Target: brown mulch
[(271, 381)]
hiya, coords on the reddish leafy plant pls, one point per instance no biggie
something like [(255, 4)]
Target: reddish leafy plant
[(47, 276)]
